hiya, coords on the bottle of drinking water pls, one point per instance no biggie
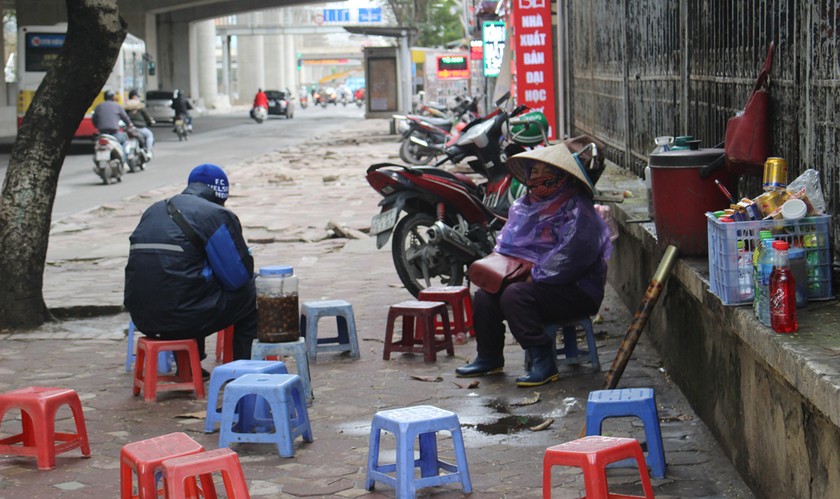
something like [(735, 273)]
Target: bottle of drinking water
[(746, 288), (762, 279)]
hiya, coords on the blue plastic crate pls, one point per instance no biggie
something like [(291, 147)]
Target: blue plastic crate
[(811, 233)]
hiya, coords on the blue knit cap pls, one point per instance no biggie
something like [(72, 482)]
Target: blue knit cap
[(214, 177)]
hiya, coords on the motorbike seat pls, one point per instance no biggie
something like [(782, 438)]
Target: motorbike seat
[(458, 177), (442, 123)]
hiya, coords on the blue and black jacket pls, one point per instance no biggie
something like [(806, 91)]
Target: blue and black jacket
[(169, 283)]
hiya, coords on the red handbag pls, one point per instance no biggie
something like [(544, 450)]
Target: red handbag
[(748, 134), (495, 270)]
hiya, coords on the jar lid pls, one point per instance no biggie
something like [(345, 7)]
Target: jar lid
[(794, 209), (276, 270)]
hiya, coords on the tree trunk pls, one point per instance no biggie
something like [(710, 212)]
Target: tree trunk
[(95, 32)]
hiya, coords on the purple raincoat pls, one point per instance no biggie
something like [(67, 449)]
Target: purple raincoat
[(564, 236)]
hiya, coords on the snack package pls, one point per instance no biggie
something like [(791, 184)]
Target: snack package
[(807, 187)]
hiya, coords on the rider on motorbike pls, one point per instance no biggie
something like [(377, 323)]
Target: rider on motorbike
[(107, 115), (182, 105), (142, 121), (260, 100)]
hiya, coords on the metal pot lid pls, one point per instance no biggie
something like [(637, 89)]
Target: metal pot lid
[(685, 158)]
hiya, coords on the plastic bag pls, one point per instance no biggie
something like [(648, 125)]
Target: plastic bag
[(809, 182)]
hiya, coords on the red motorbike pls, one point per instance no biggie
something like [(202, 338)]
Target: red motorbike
[(439, 132)]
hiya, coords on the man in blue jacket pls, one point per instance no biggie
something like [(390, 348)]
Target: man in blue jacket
[(189, 272)]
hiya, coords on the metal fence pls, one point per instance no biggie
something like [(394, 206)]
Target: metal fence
[(637, 69)]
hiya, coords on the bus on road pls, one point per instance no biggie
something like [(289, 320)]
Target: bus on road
[(37, 50)]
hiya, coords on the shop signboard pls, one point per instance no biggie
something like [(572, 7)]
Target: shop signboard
[(534, 57), (452, 67), (493, 37)]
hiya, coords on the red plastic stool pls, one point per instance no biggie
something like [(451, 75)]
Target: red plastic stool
[(421, 313), (592, 454), (179, 473), (38, 407), (458, 298), (224, 345), (144, 458), (146, 375)]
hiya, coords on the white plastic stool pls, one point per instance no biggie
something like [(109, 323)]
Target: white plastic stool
[(346, 340)]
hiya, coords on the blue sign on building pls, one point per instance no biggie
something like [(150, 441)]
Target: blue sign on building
[(336, 15), (371, 15)]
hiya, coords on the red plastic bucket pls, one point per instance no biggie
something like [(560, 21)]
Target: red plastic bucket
[(681, 198)]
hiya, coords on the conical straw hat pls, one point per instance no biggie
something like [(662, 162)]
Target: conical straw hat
[(557, 156)]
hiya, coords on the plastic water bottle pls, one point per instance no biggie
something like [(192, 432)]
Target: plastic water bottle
[(762, 278), (782, 291), (746, 288), (762, 235)]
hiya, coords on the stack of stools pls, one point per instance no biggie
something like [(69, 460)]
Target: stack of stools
[(145, 458), (637, 402), (179, 475), (165, 359), (228, 372), (407, 425), (422, 314), (288, 415), (570, 354), (146, 375), (38, 407), (346, 341), (297, 349), (224, 345), (592, 454), (458, 299)]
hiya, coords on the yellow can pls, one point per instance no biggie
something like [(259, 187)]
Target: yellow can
[(769, 202), (775, 174)]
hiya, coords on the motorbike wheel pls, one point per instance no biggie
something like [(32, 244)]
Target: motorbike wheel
[(410, 153), (420, 264), (132, 165), (105, 173)]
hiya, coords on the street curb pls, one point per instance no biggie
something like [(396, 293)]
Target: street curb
[(86, 311)]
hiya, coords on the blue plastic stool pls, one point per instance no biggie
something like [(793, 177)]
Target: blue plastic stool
[(226, 372), (289, 418), (297, 349), (165, 359), (570, 352), (346, 340), (638, 402), (407, 425)]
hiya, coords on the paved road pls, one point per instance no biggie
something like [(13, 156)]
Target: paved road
[(220, 138)]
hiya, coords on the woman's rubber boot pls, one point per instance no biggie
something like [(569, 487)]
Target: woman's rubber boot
[(481, 366), (543, 368)]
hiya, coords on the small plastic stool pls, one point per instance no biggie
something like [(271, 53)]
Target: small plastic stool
[(289, 417), (230, 371), (407, 425), (186, 358), (38, 407), (224, 345), (638, 402), (297, 349), (179, 473), (144, 459), (421, 313), (592, 454), (165, 359), (458, 299), (346, 340), (570, 354)]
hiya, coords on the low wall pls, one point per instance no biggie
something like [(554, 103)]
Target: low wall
[(772, 400)]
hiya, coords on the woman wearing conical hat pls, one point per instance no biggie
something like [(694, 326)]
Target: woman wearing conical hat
[(556, 227)]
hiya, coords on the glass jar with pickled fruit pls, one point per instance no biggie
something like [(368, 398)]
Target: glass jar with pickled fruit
[(278, 313)]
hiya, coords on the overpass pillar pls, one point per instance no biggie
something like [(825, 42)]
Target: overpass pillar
[(273, 45), (208, 87), (173, 53), (251, 59), (290, 73)]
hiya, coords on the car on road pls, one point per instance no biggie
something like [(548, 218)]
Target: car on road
[(159, 105), (281, 103)]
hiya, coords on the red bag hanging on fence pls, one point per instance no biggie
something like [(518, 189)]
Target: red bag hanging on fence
[(748, 134)]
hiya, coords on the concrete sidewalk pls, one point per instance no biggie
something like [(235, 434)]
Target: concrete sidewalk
[(286, 201)]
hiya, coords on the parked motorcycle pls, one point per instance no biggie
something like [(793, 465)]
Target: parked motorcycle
[(450, 221), (108, 158), (181, 127), (259, 114), (438, 132)]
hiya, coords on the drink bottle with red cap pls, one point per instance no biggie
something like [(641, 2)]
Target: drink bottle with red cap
[(782, 292)]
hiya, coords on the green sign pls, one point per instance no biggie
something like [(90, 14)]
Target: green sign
[(493, 38)]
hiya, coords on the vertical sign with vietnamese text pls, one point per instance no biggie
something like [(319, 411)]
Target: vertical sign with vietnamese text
[(493, 36), (534, 57)]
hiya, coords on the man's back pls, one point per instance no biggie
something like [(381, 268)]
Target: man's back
[(107, 116)]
